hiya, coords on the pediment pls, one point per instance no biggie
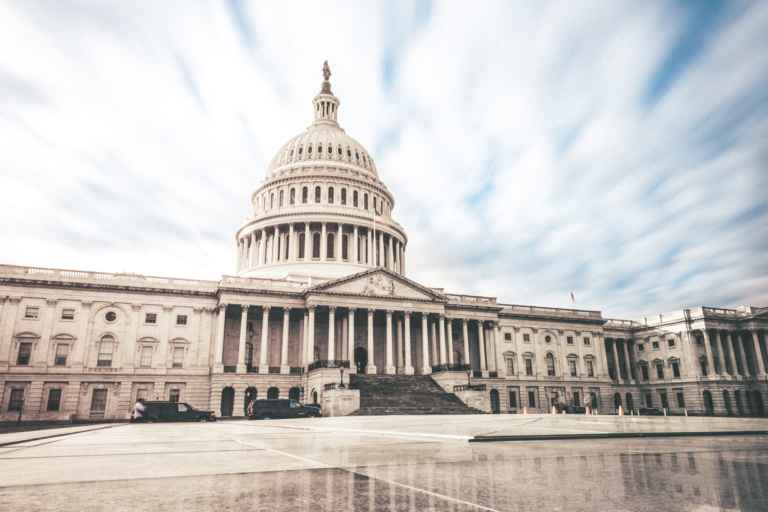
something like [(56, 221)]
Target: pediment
[(378, 283)]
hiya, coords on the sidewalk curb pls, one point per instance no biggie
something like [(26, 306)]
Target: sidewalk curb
[(615, 435), (51, 436)]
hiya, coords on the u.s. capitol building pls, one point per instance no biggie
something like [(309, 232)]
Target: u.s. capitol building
[(321, 287)]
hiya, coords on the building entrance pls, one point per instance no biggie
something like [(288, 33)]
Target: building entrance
[(361, 359)]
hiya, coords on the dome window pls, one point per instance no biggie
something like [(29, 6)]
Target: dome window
[(349, 153), (365, 201), (330, 150), (300, 149), (280, 201), (309, 150), (357, 156), (343, 196), (339, 150), (317, 194), (320, 149), (354, 198), (292, 199), (291, 153), (271, 200), (304, 195), (330, 195)]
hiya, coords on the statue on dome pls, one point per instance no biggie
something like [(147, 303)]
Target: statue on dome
[(326, 71)]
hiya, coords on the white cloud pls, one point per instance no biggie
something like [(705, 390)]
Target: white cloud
[(525, 155)]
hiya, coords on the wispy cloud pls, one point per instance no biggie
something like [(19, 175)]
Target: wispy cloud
[(614, 149)]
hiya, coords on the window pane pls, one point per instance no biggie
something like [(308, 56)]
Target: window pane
[(99, 401), (54, 400), (62, 350), (178, 357), (146, 357), (17, 399), (106, 348), (25, 353), (173, 395)]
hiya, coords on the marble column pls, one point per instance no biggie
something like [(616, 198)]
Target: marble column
[(307, 242), (311, 336), (262, 248), (426, 369), (725, 343), (441, 342), (408, 363), (355, 246), (481, 344), (219, 350), (449, 332), (351, 339), (380, 243), (331, 333), (371, 367), (736, 340), (627, 360), (708, 349), (465, 339), (291, 243), (323, 242), (616, 363), (263, 359), (369, 247), (241, 366), (435, 355), (284, 368), (759, 363), (339, 234), (390, 368), (391, 255)]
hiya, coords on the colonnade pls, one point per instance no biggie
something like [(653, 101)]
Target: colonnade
[(408, 334), (620, 358), (737, 353), (323, 242)]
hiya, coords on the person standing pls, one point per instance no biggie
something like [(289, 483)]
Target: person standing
[(138, 410)]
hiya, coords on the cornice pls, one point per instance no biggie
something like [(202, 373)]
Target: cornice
[(107, 287)]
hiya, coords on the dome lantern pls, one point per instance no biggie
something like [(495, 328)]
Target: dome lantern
[(326, 104)]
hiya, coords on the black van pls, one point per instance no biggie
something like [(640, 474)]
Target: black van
[(174, 411), (281, 408)]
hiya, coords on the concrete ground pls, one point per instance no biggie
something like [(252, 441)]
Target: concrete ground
[(388, 463)]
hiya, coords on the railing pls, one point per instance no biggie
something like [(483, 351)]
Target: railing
[(540, 310), (450, 368), (477, 373), (469, 387), (230, 369), (296, 370), (328, 363), (252, 369), (616, 323), (471, 299), (120, 278), (719, 311), (493, 375), (250, 282), (332, 385), (274, 369)]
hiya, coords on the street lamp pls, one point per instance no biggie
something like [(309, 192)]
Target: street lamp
[(341, 371), (469, 376)]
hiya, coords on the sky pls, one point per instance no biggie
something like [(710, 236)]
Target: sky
[(616, 150)]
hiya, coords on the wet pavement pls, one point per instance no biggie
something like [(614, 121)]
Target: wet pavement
[(401, 463)]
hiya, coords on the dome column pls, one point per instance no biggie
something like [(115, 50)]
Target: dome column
[(355, 247), (391, 254), (307, 242), (291, 243), (379, 260), (339, 234), (262, 247), (323, 243)]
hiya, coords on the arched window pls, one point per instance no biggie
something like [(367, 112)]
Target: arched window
[(550, 364), (280, 201), (304, 195), (343, 196), (273, 393), (293, 196), (271, 200), (365, 201), (315, 245), (106, 351), (301, 245), (572, 369), (354, 198), (330, 195), (509, 359), (674, 363), (317, 194), (330, 239), (345, 247)]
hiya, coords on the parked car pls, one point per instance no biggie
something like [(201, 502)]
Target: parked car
[(650, 411), (575, 409), (281, 408), (174, 411)]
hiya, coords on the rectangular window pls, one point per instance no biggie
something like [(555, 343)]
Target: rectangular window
[(178, 357), (593, 399), (659, 370), (25, 353), (145, 361), (648, 400), (62, 351), (676, 369), (106, 349), (569, 340), (644, 372), (655, 345), (31, 313), (587, 341), (590, 368), (68, 314), (507, 336), (671, 343), (54, 400), (150, 318), (173, 395), (664, 399), (529, 367), (17, 400), (181, 319), (640, 347), (576, 398), (680, 399), (526, 338), (510, 366), (99, 401), (532, 398), (572, 367), (512, 399)]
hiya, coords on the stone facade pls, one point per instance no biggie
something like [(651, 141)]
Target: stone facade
[(321, 287)]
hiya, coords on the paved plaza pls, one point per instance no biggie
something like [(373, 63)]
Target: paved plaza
[(388, 463)]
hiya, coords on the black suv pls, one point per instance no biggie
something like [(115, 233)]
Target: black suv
[(174, 411), (281, 408)]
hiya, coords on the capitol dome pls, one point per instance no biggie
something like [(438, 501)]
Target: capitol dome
[(322, 210)]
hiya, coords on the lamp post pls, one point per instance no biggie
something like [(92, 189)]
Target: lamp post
[(469, 376), (341, 384)]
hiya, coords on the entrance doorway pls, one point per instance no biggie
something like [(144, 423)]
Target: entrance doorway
[(273, 393), (630, 402), (227, 400), (757, 399), (709, 406), (251, 394), (294, 394), (361, 359), (495, 407), (616, 401)]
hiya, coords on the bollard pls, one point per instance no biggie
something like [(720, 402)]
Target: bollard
[(665, 410), (685, 411), (621, 411), (554, 411), (525, 411)]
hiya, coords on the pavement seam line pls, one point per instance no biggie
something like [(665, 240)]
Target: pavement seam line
[(388, 433), (390, 482)]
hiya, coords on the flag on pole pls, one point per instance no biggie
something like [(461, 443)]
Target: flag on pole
[(573, 298)]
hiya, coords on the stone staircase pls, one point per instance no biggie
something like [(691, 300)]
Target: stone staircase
[(405, 394)]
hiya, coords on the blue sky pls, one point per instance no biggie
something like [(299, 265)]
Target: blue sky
[(615, 149)]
